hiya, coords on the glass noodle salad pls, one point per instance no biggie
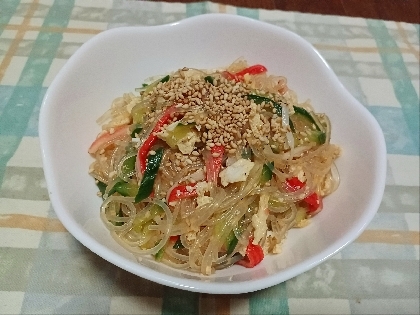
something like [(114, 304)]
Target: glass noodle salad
[(203, 169)]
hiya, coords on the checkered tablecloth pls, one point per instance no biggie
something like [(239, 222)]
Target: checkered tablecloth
[(44, 270)]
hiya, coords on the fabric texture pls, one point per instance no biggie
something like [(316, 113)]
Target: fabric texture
[(44, 270)]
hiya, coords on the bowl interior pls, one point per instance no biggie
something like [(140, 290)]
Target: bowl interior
[(118, 61)]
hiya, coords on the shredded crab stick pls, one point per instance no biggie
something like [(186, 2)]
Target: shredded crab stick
[(214, 163), (108, 136)]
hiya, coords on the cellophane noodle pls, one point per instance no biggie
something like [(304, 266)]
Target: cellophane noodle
[(196, 232)]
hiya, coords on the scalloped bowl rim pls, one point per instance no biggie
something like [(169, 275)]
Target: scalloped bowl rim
[(247, 281)]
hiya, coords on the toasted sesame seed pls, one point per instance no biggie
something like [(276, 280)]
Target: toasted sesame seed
[(220, 111)]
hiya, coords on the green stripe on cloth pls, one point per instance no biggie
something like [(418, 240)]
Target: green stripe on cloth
[(179, 302), (197, 8), (251, 13), (13, 122), (398, 74), (8, 9), (269, 301), (18, 110)]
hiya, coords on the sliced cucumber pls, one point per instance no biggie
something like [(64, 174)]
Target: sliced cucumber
[(159, 254), (231, 242), (209, 79), (300, 215), (139, 113), (305, 123), (141, 223), (135, 129), (267, 172), (126, 189), (174, 136)]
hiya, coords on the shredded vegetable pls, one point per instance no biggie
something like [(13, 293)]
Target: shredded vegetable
[(203, 169)]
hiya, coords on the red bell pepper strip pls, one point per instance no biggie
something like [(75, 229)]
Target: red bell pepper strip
[(182, 192), (294, 184), (173, 238), (214, 163), (313, 202), (230, 76), (239, 76), (151, 140), (252, 70), (254, 255)]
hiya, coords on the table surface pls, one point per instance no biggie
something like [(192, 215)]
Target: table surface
[(44, 270), (393, 10)]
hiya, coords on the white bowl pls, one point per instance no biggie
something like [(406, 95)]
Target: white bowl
[(118, 60)]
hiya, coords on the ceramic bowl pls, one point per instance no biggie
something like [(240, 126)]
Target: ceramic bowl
[(119, 60)]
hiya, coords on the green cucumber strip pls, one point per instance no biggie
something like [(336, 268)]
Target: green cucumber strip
[(112, 190), (322, 137), (159, 254), (129, 164), (148, 180), (123, 188), (258, 99), (101, 187), (136, 129), (267, 172), (231, 242), (318, 135), (178, 244), (165, 79), (120, 214), (292, 127), (246, 153), (178, 133), (209, 79), (126, 189), (141, 223), (305, 113)]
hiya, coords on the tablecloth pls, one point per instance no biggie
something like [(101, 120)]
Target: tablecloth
[(44, 270)]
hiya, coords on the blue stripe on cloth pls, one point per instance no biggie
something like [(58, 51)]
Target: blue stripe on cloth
[(269, 301), (397, 134), (197, 8), (32, 127), (8, 8), (398, 74), (251, 13), (379, 251), (389, 221), (179, 302), (49, 303), (6, 92), (18, 110), (13, 121)]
